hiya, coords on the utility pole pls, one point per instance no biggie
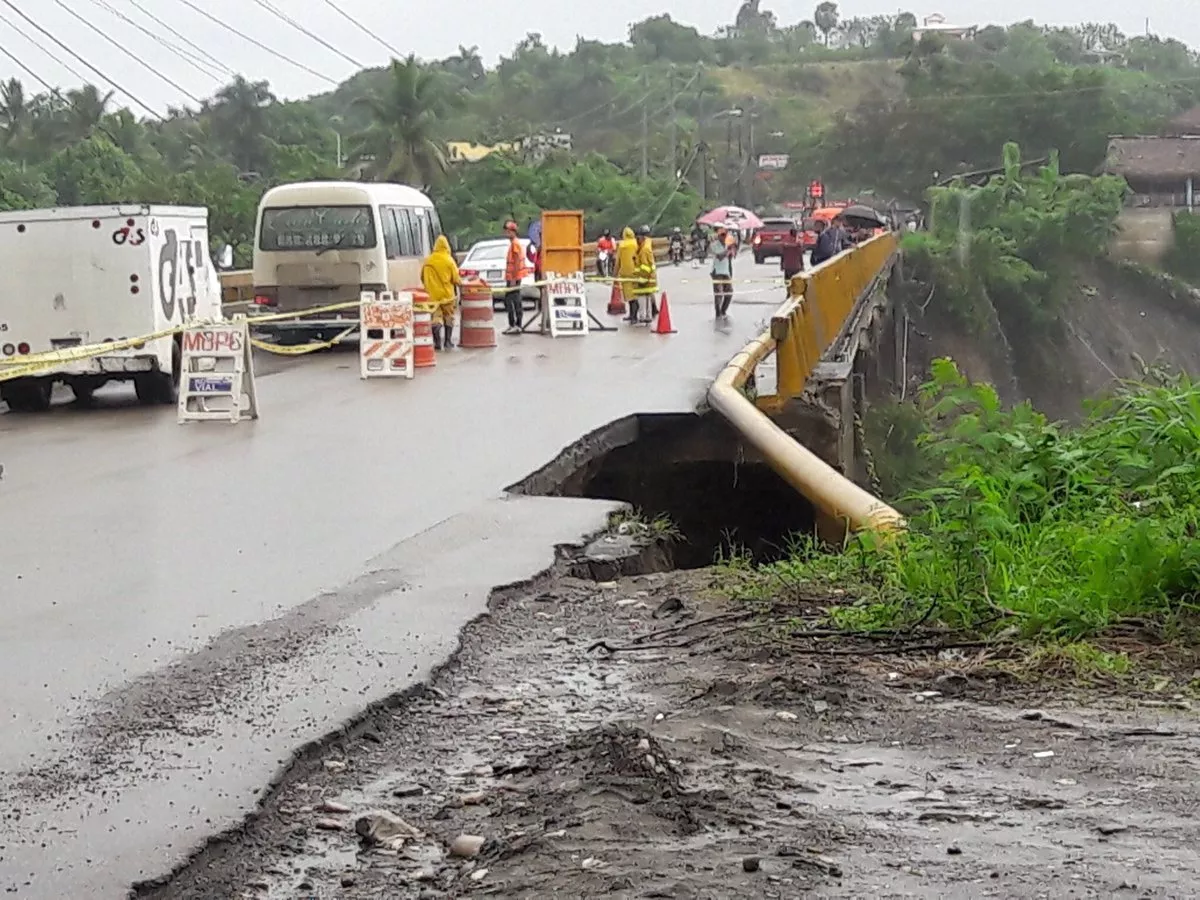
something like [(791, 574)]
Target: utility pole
[(645, 126), (751, 161), (671, 113), (727, 178), (703, 148)]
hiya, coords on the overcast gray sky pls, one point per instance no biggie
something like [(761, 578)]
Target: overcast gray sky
[(428, 29)]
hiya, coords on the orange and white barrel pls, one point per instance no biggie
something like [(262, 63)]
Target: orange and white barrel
[(424, 356), (477, 316)]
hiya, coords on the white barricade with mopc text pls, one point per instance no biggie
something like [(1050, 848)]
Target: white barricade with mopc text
[(216, 373), (564, 309), (386, 335)]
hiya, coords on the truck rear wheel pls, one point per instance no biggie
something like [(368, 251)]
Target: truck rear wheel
[(153, 388), (160, 388), (27, 395), (84, 391)]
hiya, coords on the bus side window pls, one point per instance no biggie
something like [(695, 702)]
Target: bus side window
[(425, 226), (391, 234), (404, 224), (435, 222)]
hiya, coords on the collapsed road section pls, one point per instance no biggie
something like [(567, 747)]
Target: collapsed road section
[(690, 471)]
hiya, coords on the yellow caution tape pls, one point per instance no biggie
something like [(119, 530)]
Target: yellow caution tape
[(303, 313), (36, 363), (301, 349)]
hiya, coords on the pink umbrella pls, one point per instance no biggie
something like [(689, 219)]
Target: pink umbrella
[(731, 217)]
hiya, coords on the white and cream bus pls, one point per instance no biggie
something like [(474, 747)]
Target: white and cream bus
[(324, 242)]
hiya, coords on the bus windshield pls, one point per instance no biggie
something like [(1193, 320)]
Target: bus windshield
[(317, 228)]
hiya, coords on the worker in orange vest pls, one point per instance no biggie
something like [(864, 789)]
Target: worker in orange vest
[(514, 271)]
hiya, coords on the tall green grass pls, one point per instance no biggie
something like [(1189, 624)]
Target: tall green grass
[(1031, 528)]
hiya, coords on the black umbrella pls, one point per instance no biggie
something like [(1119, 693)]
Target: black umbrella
[(865, 216)]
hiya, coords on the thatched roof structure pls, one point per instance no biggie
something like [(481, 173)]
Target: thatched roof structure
[(1147, 158), (1186, 123)]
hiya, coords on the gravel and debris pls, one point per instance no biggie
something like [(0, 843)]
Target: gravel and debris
[(642, 738)]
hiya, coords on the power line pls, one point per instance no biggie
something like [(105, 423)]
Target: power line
[(670, 105), (28, 71), (204, 54), (245, 37), (52, 91), (66, 65), (204, 68), (587, 113), (363, 28), (141, 62), (275, 11), (87, 64)]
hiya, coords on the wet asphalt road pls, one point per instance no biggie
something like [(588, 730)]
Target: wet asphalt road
[(185, 606)]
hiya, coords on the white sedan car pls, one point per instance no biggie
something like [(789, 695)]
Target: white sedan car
[(485, 260)]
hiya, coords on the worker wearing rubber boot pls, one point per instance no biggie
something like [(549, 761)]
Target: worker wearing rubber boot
[(626, 266), (441, 280), (646, 272)]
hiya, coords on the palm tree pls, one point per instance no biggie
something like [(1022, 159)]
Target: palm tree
[(470, 62), (85, 111), (404, 117), (124, 130), (240, 119), (14, 115), (826, 18)]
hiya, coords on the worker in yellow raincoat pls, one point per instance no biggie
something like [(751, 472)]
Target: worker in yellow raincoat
[(441, 280), (625, 268), (645, 267)]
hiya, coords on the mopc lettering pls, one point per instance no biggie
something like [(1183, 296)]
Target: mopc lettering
[(212, 341)]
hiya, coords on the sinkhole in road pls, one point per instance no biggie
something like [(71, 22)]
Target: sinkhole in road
[(691, 469)]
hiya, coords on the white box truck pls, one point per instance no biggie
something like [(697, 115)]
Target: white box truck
[(92, 274)]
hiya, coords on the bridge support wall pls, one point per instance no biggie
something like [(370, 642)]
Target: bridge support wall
[(864, 362)]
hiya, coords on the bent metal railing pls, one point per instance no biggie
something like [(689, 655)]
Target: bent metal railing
[(802, 330)]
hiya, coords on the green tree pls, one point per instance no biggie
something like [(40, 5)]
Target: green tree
[(402, 142), (14, 114), (92, 171), (825, 17), (23, 188), (86, 108), (662, 38), (239, 119)]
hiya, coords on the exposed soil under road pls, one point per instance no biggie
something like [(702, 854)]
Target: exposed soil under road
[(714, 761)]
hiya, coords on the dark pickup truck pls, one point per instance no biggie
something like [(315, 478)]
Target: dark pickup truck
[(768, 240)]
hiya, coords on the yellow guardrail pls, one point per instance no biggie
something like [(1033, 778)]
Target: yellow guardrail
[(801, 331)]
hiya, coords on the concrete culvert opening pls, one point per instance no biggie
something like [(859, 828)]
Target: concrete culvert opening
[(691, 470)]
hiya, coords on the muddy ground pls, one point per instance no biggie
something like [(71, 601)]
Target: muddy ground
[(699, 754)]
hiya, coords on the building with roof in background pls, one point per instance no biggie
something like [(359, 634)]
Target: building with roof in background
[(1163, 174)]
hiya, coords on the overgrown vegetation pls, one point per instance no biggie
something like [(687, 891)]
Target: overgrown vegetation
[(1027, 528), (1064, 88), (635, 523), (1007, 248), (1183, 258)]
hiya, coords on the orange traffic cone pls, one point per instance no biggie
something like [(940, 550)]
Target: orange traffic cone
[(616, 301), (663, 325)]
